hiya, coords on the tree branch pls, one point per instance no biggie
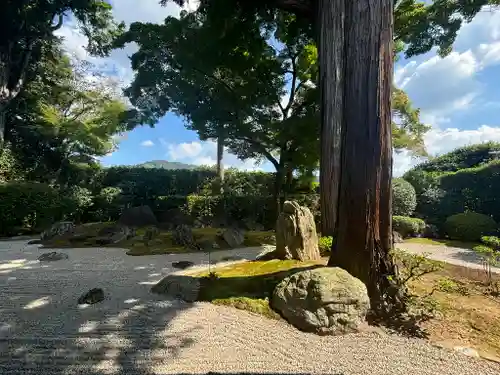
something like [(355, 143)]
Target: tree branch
[(263, 150), (293, 88), (59, 23)]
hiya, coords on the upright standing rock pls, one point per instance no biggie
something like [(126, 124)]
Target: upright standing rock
[(296, 236)]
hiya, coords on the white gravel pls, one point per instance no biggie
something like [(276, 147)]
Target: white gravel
[(452, 255), (43, 331)]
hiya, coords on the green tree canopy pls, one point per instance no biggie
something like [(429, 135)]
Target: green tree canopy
[(26, 27)]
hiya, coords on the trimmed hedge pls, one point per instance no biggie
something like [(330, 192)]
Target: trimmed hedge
[(404, 198), (473, 189), (470, 226), (29, 206), (408, 226)]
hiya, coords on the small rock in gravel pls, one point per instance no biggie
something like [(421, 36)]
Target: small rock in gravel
[(94, 295), (182, 264), (52, 256), (467, 351)]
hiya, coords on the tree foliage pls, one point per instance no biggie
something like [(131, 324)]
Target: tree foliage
[(27, 28), (64, 118)]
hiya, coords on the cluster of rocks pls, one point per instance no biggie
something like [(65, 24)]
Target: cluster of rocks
[(318, 299)]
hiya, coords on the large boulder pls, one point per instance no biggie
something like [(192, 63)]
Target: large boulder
[(140, 216), (296, 236), (396, 237), (234, 237), (322, 300), (183, 236), (58, 229), (113, 234), (174, 217), (181, 287)]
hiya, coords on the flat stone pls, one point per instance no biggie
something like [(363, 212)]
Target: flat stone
[(52, 256)]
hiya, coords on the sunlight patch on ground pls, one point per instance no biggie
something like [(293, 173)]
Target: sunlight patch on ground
[(88, 326), (5, 327), (16, 263), (131, 300), (37, 303), (150, 282)]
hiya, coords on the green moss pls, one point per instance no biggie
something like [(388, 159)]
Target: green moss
[(249, 285), (442, 242), (162, 244), (254, 305)]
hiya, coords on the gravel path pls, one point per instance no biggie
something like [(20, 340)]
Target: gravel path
[(43, 331), (453, 255)]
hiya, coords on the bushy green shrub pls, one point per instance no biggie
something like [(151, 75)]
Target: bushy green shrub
[(408, 226), (325, 245), (404, 198), (76, 201), (28, 205), (491, 241), (469, 226), (107, 205)]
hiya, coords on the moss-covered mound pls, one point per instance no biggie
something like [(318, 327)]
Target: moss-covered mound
[(87, 235)]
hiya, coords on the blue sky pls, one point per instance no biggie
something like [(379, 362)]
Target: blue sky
[(458, 96)]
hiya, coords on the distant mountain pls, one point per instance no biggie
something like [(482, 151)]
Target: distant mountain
[(163, 164)]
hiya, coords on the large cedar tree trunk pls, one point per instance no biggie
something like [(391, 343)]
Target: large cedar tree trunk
[(330, 28), (363, 227)]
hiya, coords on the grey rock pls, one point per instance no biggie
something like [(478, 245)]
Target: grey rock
[(296, 236), (150, 234), (183, 236), (182, 287), (324, 300), (234, 237), (58, 229), (94, 295), (396, 237), (113, 234), (182, 264), (52, 256), (467, 351), (140, 216)]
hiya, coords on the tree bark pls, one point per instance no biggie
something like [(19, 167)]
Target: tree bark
[(218, 186), (364, 205), (289, 180), (331, 50), (278, 186), (2, 127)]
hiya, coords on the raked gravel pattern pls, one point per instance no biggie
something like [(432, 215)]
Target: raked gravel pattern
[(43, 331)]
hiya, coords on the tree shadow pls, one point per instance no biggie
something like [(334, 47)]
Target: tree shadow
[(251, 286), (44, 331)]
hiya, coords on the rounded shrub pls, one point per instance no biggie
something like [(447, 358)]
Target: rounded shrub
[(404, 198), (469, 226), (408, 226)]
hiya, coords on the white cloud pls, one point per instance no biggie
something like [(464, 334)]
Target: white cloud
[(205, 153), (439, 142), (443, 86), (147, 143)]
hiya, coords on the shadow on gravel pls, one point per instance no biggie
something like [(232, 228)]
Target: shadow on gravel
[(44, 331)]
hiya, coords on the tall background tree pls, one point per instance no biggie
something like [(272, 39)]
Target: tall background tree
[(263, 98)]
